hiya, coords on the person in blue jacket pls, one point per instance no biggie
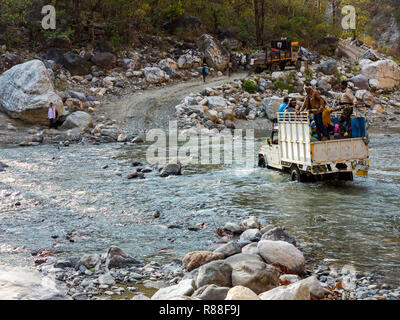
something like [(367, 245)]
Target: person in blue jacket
[(283, 106)]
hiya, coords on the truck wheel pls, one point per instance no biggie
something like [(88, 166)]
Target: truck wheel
[(296, 175), (298, 65), (346, 176), (261, 161), (274, 67), (282, 66)]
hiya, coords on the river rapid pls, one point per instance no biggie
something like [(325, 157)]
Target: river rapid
[(49, 192)]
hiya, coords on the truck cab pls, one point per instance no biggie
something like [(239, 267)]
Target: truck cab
[(293, 148)]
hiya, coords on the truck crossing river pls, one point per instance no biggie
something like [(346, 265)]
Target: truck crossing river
[(293, 148)]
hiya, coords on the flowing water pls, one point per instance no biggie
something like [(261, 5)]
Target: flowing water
[(65, 190)]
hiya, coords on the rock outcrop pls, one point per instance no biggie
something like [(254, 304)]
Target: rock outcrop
[(26, 92), (216, 56)]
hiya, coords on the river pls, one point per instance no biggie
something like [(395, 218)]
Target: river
[(64, 190)]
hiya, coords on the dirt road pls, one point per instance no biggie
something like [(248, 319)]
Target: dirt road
[(139, 112)]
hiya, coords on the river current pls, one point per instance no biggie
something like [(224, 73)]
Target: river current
[(49, 192)]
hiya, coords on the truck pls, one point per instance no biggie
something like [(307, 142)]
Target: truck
[(282, 53), (292, 148)]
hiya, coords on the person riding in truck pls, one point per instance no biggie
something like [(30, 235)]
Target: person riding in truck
[(316, 104), (349, 100)]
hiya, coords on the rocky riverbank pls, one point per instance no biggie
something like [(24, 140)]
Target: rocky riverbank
[(253, 260), (89, 86)]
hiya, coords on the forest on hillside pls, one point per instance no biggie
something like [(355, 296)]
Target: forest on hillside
[(252, 22)]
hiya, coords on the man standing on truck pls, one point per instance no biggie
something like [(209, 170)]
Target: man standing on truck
[(348, 100), (316, 104)]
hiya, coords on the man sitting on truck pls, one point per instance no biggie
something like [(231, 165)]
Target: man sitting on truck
[(283, 106), (315, 104)]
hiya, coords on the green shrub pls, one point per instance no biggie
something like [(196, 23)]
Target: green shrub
[(250, 86)]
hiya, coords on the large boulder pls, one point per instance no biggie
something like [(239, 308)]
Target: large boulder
[(106, 60), (115, 257), (271, 106), (283, 254), (387, 72), (251, 272), (75, 64), (154, 75), (196, 259), (78, 119), (26, 92), (216, 272), (185, 287), (215, 54)]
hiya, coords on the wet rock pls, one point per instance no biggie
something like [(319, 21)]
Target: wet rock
[(3, 166), (26, 91), (133, 174), (172, 169), (279, 233), (295, 291), (253, 235), (251, 223), (78, 119), (211, 292), (115, 257), (216, 56), (62, 264), (89, 261), (215, 272), (282, 253), (195, 259), (75, 64), (241, 293), (228, 249), (183, 288), (251, 271)]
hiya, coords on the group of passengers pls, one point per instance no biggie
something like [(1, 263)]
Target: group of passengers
[(322, 125)]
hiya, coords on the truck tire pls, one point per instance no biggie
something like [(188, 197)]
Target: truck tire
[(282, 66), (296, 175), (298, 65), (261, 161), (346, 176), (275, 67)]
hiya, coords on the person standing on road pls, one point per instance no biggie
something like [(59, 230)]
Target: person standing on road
[(52, 115), (204, 72)]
